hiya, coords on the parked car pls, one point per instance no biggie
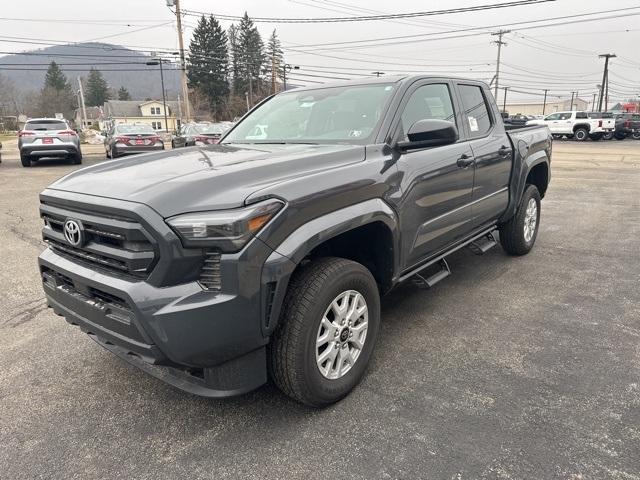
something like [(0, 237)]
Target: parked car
[(270, 255), (517, 120), (128, 139), (48, 137), (627, 125), (197, 134), (577, 125)]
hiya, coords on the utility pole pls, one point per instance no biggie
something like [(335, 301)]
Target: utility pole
[(571, 104), (160, 61), (504, 100), (183, 65), (593, 102), (250, 102), (273, 73), (605, 79), (286, 67), (544, 104), (84, 109), (498, 42)]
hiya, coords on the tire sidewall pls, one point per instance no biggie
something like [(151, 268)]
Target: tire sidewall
[(328, 391)]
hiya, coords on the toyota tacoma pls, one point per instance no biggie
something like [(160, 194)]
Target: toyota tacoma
[(213, 268)]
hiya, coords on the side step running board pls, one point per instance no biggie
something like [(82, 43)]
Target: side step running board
[(484, 244), (429, 282)]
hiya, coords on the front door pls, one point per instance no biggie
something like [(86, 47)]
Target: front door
[(437, 182)]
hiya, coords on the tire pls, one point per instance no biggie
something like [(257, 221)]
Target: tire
[(636, 135), (114, 153), (581, 134), (620, 136), (293, 354), (513, 237), (596, 137), (25, 160), (607, 136), (76, 158)]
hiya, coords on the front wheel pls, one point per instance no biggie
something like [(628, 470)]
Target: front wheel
[(518, 235), (327, 331), (636, 135)]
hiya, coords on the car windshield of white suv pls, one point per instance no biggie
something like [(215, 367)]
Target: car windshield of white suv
[(347, 114), (44, 125)]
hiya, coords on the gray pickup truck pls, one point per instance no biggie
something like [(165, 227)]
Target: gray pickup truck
[(215, 267)]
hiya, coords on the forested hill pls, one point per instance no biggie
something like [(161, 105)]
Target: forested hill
[(118, 65)]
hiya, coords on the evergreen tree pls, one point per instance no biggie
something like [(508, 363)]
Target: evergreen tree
[(97, 89), (250, 55), (234, 57), (209, 62), (123, 94), (275, 59), (56, 96), (54, 77)]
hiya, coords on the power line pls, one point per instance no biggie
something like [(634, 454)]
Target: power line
[(366, 18)]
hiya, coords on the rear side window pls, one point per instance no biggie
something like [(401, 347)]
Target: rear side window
[(476, 110), (581, 115), (43, 125), (428, 102)]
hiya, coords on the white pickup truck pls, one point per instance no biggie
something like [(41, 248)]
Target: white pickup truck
[(577, 125)]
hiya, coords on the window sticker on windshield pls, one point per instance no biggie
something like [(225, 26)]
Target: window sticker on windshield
[(355, 133), (473, 124)]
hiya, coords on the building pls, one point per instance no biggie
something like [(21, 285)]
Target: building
[(536, 108), (95, 118), (147, 112)]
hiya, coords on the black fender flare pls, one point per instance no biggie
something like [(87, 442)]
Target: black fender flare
[(292, 250)]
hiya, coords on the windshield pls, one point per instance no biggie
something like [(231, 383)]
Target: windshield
[(347, 114), (46, 125), (126, 129)]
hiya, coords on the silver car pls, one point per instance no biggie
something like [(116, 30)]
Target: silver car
[(48, 137), (127, 139)]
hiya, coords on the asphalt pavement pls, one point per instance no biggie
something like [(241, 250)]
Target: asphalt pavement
[(511, 368)]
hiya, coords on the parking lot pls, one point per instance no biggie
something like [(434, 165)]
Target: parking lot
[(524, 368)]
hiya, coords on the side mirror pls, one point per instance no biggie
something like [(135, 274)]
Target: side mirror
[(430, 133)]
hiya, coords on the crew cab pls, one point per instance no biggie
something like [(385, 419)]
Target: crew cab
[(212, 267), (577, 125)]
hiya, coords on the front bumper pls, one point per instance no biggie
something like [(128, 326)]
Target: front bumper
[(206, 343)]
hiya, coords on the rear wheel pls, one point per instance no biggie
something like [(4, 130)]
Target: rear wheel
[(607, 136), (25, 160), (620, 136), (636, 135), (113, 153), (518, 235), (580, 134), (327, 331), (76, 158)]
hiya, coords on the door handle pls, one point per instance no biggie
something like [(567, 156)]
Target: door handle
[(465, 161), (503, 151)]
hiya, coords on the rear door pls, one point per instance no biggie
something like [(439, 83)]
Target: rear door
[(492, 152), (436, 182)]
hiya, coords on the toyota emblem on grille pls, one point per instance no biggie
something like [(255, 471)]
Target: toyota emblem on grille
[(73, 232)]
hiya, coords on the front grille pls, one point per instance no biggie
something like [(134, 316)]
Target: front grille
[(210, 277), (111, 242)]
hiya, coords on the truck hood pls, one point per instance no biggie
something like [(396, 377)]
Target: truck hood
[(210, 178)]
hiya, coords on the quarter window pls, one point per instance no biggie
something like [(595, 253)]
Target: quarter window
[(426, 103), (476, 111)]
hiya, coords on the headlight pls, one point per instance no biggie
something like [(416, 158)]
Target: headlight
[(228, 230)]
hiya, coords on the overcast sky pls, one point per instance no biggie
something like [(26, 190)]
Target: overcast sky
[(561, 58)]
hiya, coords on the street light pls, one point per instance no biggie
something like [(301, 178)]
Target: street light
[(287, 68), (160, 61)]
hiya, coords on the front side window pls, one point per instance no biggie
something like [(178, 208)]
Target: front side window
[(348, 114), (553, 116), (428, 102), (476, 111)]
